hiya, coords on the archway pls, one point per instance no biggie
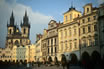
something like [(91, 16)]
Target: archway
[(74, 58), (95, 57), (9, 61), (13, 62), (21, 61), (55, 60), (25, 61), (16, 42), (49, 59), (85, 58), (17, 61)]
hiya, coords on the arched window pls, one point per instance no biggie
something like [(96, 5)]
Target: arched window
[(52, 50), (48, 42), (16, 42), (61, 46), (69, 32), (10, 31), (51, 41), (89, 28), (75, 32), (61, 34), (24, 31), (70, 16), (70, 45), (75, 44), (65, 33), (65, 45), (55, 41), (48, 50), (55, 50), (87, 9)]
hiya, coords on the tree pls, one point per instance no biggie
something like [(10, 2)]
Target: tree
[(63, 61)]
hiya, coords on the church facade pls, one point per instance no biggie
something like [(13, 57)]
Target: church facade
[(18, 44), (14, 35)]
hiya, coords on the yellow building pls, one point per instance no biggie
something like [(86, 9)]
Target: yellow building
[(23, 53), (16, 40), (20, 54), (68, 33), (44, 49), (89, 37), (70, 15), (38, 50), (5, 54), (31, 53), (52, 40), (79, 33)]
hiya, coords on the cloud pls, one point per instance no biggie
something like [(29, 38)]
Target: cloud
[(6, 8), (100, 1)]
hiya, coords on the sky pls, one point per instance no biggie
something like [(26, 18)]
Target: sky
[(40, 12)]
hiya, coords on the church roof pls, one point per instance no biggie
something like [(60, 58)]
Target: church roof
[(70, 9)]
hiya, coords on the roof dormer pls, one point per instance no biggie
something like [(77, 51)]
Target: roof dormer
[(87, 8)]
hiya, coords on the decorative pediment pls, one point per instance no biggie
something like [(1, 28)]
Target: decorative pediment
[(52, 24)]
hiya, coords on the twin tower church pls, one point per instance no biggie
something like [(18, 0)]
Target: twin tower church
[(15, 36)]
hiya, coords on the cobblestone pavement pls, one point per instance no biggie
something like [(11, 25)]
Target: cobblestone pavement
[(54, 67), (60, 67)]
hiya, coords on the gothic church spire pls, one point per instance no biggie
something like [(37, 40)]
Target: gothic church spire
[(12, 19)]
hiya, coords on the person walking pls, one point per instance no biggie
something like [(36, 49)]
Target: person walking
[(63, 61), (68, 65)]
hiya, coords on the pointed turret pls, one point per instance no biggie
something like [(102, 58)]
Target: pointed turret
[(25, 20), (12, 19), (72, 7), (25, 26)]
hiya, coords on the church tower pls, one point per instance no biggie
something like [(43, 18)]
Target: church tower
[(16, 36), (11, 26), (25, 30), (25, 26), (10, 31)]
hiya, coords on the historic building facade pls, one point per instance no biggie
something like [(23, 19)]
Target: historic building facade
[(52, 40), (23, 53), (68, 33), (44, 48), (38, 48), (15, 36), (79, 35), (20, 54), (101, 28), (5, 54), (18, 47), (88, 28)]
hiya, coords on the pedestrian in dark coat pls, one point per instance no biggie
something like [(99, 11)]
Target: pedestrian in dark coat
[(68, 65)]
